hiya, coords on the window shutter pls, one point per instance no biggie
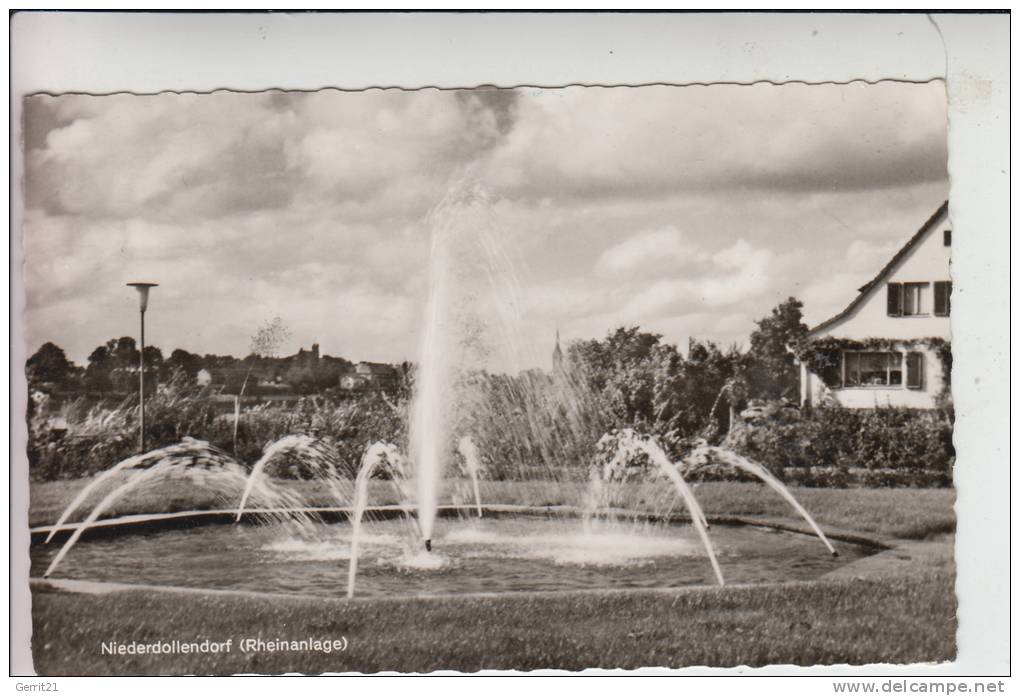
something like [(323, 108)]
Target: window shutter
[(943, 289), (894, 302), (915, 370)]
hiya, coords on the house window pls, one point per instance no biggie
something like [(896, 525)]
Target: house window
[(947, 237), (915, 299), (943, 291), (872, 369)]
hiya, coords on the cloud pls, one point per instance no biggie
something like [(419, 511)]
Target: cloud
[(188, 156), (649, 253), (688, 210), (733, 275), (655, 140)]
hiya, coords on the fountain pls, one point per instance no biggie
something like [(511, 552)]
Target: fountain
[(702, 454), (315, 454), (428, 428), (549, 426), (205, 465), (377, 455), (629, 444)]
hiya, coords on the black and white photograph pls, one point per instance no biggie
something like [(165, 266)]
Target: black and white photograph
[(490, 377)]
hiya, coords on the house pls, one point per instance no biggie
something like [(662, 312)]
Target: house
[(369, 375), (203, 378), (891, 345)]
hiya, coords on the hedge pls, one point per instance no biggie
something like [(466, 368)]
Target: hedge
[(842, 446)]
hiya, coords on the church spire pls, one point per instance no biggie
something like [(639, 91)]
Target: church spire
[(557, 356)]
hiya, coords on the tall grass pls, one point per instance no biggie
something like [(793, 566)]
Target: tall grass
[(81, 438)]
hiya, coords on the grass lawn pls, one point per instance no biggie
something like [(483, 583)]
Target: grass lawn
[(894, 513), (904, 620)]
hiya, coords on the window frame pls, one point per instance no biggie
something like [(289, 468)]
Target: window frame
[(888, 370), (919, 286)]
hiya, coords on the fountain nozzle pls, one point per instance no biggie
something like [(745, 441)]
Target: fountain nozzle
[(428, 545)]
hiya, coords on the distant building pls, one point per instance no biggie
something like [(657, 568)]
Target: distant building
[(308, 357), (369, 375), (203, 378), (889, 347)]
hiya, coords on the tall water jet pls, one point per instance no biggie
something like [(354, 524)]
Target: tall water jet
[(429, 409)]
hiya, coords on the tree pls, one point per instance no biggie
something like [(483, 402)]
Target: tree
[(123, 351), (711, 388), (773, 373), (97, 372), (49, 364), (265, 343), (187, 363), (634, 374), (114, 365), (153, 359)]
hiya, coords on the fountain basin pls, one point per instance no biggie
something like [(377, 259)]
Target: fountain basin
[(507, 551)]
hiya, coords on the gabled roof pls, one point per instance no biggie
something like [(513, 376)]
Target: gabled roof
[(865, 289)]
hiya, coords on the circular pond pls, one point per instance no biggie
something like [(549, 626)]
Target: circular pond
[(504, 554)]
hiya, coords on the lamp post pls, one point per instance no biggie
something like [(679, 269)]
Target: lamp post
[(143, 303)]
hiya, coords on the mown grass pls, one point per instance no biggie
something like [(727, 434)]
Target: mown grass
[(904, 513), (903, 620)]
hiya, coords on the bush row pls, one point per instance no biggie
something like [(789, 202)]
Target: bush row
[(836, 477), (840, 446)]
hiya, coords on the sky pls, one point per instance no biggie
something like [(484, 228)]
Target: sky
[(687, 211)]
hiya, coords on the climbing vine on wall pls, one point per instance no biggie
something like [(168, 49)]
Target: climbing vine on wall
[(822, 355)]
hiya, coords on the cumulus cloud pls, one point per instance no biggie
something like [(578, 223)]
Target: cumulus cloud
[(650, 253), (732, 275)]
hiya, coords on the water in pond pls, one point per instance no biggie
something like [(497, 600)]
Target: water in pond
[(487, 555)]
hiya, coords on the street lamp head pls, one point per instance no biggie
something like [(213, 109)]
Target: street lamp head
[(143, 293)]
